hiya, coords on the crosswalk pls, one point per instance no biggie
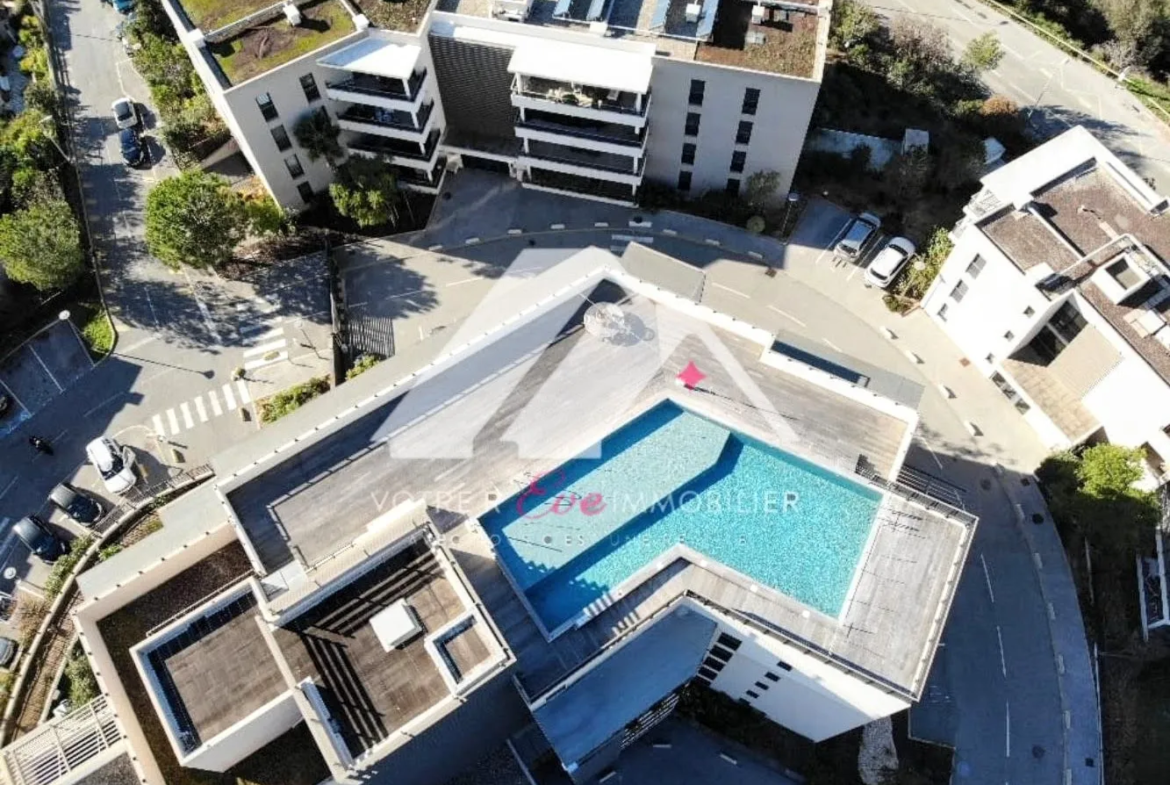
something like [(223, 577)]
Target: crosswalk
[(268, 344), (201, 409)]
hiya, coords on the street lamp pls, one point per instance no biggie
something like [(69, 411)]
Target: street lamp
[(53, 136)]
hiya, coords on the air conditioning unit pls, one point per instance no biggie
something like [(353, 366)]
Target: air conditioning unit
[(754, 37), (293, 14), (692, 12), (757, 14)]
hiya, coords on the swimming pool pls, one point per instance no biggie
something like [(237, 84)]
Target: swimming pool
[(671, 477)]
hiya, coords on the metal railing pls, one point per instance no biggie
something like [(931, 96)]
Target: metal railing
[(567, 96), (58, 747), (947, 511), (385, 118), (588, 162), (618, 138), (382, 87), (378, 145)]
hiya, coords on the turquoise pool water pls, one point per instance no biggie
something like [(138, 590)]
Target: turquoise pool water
[(672, 477)]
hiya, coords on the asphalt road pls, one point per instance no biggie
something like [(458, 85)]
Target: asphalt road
[(1055, 90)]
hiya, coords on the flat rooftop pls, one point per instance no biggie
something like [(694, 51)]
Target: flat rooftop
[(210, 15), (216, 670), (402, 15), (1088, 208), (274, 41), (369, 691), (783, 41)]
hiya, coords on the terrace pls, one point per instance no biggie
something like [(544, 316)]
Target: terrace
[(210, 15), (266, 45), (404, 16), (784, 41)]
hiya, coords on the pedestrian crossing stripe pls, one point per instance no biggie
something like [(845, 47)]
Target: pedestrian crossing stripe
[(177, 419)]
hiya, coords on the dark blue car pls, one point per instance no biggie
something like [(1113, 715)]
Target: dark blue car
[(132, 152), (124, 6)]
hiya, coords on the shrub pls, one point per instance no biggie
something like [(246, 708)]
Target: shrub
[(83, 686), (64, 566), (361, 365), (195, 219), (109, 552), (30, 612), (756, 224), (98, 334), (41, 245), (288, 401)]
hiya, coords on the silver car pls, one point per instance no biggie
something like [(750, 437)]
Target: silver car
[(125, 112), (857, 236)]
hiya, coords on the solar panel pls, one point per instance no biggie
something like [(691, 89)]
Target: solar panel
[(707, 19), (661, 9)]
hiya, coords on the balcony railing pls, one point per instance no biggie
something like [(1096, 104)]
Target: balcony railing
[(388, 118), (605, 162), (620, 136), (581, 185), (381, 87), (584, 97), (410, 176), (395, 148)]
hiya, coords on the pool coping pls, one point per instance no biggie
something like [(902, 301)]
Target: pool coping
[(681, 550)]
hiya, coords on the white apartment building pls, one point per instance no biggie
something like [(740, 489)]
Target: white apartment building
[(586, 97), (1058, 290), (358, 590)]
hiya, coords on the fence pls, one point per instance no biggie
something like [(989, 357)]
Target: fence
[(58, 747)]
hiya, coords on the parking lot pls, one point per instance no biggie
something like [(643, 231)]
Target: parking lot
[(39, 370)]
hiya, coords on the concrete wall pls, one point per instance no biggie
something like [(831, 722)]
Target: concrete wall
[(248, 735), (814, 698), (779, 125)]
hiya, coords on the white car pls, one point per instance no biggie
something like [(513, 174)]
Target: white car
[(125, 112), (114, 463), (858, 235), (889, 262)]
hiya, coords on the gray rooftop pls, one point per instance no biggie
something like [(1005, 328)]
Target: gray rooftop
[(1087, 208)]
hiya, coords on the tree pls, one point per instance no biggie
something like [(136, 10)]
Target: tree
[(852, 23), (41, 245), (317, 134), (983, 53), (1000, 116), (194, 218), (919, 53), (366, 190), (265, 216), (1139, 30), (760, 189), (924, 269)]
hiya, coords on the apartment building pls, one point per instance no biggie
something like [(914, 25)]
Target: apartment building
[(441, 554), (1058, 290), (586, 97)]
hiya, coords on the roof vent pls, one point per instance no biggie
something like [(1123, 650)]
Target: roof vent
[(692, 12), (293, 14), (754, 37)]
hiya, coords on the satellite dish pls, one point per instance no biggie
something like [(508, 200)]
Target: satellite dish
[(606, 321)]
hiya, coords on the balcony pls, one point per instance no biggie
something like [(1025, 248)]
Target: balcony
[(586, 134), (585, 163), (586, 187), (420, 179), (592, 103), (401, 94), (416, 155), (392, 123)]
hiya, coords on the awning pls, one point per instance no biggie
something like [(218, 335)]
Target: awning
[(594, 66), (376, 57)]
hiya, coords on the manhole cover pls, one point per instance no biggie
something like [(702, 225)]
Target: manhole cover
[(1037, 752)]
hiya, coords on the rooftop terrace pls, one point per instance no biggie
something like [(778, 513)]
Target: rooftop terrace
[(784, 42), (268, 44), (210, 15), (402, 15)]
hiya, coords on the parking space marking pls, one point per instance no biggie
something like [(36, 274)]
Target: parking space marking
[(229, 398), (729, 289), (787, 315), (188, 420), (7, 488), (832, 345), (265, 348), (173, 420), (200, 409)]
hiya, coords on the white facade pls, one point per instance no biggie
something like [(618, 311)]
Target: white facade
[(649, 137)]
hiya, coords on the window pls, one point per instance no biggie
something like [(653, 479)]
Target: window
[(1009, 335), (738, 159), (707, 673), (1067, 322), (771, 676), (720, 653), (1010, 393), (976, 266), (267, 108), (753, 695), (761, 686), (688, 154), (782, 665), (309, 85), (280, 136), (306, 192), (728, 641), (713, 664), (1029, 311), (294, 166), (684, 181), (732, 187), (942, 312), (990, 359), (743, 134), (751, 100), (698, 86), (692, 127), (960, 291)]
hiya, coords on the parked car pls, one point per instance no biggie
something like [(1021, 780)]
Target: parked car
[(124, 6), (125, 112), (5, 404), (857, 236), (79, 506), (8, 649), (133, 153), (39, 538), (889, 262), (114, 463)]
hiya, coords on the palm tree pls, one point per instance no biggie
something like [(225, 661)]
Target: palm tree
[(317, 136)]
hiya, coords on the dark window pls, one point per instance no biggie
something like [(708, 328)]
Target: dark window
[(294, 166), (761, 686), (744, 701), (732, 186), (688, 153), (713, 664), (751, 100), (782, 665), (707, 673), (1067, 322), (306, 192), (738, 159), (692, 127), (720, 653), (1009, 335), (960, 291), (753, 695), (309, 85), (729, 641), (942, 312), (280, 136), (267, 108), (1029, 311), (743, 134), (1010, 393), (697, 88), (771, 676), (976, 266), (684, 181)]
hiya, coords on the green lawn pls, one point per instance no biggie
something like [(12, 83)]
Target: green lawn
[(403, 15), (262, 48), (210, 15)]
